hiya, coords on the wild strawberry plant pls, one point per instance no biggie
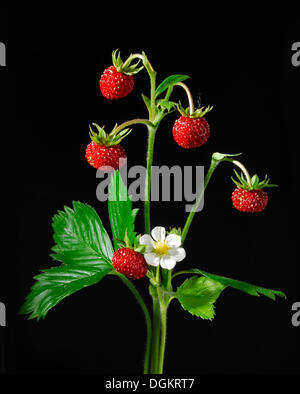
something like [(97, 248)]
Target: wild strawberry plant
[(86, 252)]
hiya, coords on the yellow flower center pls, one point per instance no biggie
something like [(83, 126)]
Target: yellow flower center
[(161, 248)]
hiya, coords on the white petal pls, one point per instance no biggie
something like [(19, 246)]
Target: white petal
[(173, 240), (146, 240), (177, 253), (167, 262), (152, 259), (159, 233)]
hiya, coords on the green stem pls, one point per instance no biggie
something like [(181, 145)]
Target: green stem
[(132, 57), (151, 138), (242, 167), (163, 337), (169, 281), (181, 273), (152, 125), (155, 333), (152, 75), (140, 300), (189, 95), (122, 126), (188, 222)]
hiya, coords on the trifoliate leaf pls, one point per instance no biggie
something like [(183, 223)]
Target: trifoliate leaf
[(84, 248), (198, 294)]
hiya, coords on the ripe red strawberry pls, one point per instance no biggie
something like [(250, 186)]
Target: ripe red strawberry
[(105, 152), (249, 196), (105, 157), (249, 200), (130, 263), (117, 81), (115, 85), (191, 131)]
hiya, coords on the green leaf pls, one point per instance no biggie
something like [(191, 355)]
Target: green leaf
[(198, 294), (239, 285), (80, 236), (84, 248), (121, 214), (56, 283), (169, 82)]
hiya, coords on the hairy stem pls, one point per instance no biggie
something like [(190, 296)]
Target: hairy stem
[(152, 75), (151, 138)]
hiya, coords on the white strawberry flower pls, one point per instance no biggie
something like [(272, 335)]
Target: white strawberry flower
[(161, 249)]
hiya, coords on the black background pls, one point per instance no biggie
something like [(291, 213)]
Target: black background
[(242, 66)]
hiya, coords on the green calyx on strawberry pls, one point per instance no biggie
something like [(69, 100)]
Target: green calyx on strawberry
[(136, 246), (255, 184), (125, 67), (191, 130), (198, 113), (104, 139), (105, 152), (249, 195)]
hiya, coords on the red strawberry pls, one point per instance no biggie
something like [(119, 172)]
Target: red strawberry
[(105, 157), (115, 85), (130, 263), (249, 196), (191, 131), (249, 200), (117, 81), (105, 152)]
